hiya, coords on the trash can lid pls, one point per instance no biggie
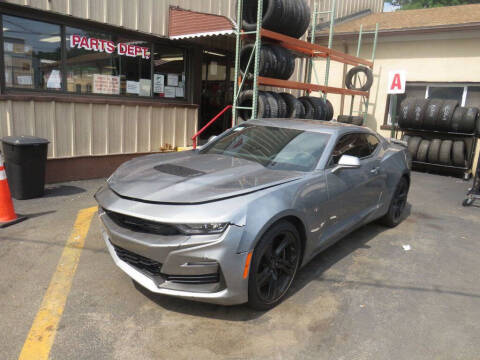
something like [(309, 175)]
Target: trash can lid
[(24, 140)]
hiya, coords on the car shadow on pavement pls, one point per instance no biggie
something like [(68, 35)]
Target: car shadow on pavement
[(312, 271), (358, 239), (195, 308), (62, 190)]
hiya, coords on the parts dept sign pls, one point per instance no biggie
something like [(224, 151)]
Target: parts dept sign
[(100, 45), (397, 80)]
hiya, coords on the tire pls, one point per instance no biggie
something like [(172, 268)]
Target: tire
[(283, 16), (272, 103), (282, 62), (459, 153), (351, 74), (434, 151), (393, 217), (309, 110), (357, 120), (330, 110), (423, 150), (407, 108), (295, 109), (346, 119), (319, 107), (267, 111), (413, 144), (264, 63), (457, 119), (246, 99), (469, 120), (270, 64), (415, 119), (281, 104), (274, 271), (467, 202), (446, 113), (445, 154), (275, 61), (432, 113), (478, 126)]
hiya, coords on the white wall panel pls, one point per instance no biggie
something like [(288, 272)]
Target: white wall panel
[(75, 129)]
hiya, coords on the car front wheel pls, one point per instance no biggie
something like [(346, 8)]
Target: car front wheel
[(275, 262)]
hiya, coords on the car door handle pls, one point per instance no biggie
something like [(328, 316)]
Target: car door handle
[(375, 171)]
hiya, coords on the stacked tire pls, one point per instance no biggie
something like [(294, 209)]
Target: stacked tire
[(351, 119), (437, 151), (285, 106), (288, 17), (275, 61), (438, 115)]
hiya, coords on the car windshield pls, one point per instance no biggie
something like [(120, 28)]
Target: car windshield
[(272, 147)]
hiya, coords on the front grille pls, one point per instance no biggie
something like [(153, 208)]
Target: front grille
[(152, 268), (141, 225), (148, 266)]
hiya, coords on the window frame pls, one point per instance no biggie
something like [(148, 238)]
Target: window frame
[(63, 22), (330, 163)]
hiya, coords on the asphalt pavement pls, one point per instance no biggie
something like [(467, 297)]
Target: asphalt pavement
[(412, 292)]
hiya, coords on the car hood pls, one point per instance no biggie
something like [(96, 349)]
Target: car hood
[(189, 178)]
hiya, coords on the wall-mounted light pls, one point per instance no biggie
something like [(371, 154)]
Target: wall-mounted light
[(51, 39), (214, 53)]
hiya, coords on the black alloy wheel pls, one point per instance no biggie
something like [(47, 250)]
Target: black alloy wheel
[(398, 204), (275, 262)]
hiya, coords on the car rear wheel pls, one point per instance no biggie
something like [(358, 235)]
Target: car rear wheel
[(397, 205), (275, 262)]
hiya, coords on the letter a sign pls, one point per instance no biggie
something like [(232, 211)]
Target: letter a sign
[(396, 82)]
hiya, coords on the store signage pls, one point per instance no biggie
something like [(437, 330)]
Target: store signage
[(106, 84), (396, 82), (100, 45)]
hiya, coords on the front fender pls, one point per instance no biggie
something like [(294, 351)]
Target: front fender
[(266, 210)]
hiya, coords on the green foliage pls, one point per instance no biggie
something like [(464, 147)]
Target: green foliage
[(421, 4)]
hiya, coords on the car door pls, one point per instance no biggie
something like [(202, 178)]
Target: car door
[(353, 194)]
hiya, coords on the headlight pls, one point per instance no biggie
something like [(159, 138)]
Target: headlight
[(202, 229)]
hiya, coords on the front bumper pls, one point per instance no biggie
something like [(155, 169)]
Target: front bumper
[(178, 265)]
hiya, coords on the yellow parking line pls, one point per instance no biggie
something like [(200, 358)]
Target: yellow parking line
[(42, 333)]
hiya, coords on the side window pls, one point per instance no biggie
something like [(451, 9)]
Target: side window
[(353, 145), (373, 143)]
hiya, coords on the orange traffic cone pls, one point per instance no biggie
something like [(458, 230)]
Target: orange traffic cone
[(7, 213)]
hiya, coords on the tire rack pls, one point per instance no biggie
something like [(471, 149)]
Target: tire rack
[(470, 144), (301, 47)]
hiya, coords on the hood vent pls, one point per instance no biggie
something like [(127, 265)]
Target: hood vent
[(178, 170)]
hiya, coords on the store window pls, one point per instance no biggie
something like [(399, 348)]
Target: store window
[(88, 62), (32, 54), (465, 94), (87, 65), (169, 79)]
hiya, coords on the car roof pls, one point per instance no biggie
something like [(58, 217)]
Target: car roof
[(319, 126)]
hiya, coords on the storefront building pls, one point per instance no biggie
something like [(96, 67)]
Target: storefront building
[(106, 80)]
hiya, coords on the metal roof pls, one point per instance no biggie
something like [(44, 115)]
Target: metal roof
[(186, 24), (440, 18)]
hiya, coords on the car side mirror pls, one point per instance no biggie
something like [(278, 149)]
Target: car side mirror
[(347, 162)]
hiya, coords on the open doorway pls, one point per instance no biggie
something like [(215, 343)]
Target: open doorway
[(217, 91)]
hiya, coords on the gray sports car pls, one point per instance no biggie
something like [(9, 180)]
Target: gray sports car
[(233, 221)]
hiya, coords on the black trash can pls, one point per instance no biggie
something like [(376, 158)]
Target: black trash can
[(25, 161)]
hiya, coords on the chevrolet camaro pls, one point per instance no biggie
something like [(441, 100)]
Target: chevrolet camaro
[(234, 221)]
